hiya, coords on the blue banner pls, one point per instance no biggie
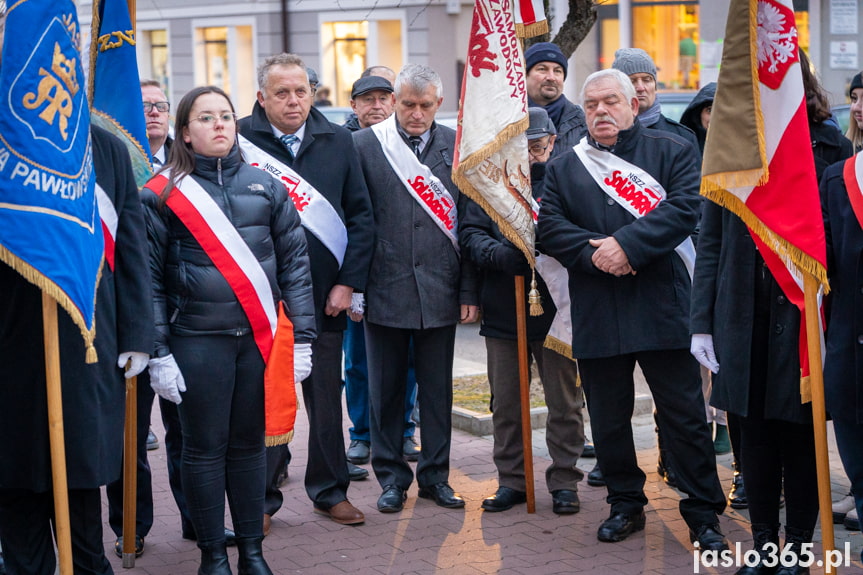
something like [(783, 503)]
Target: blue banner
[(115, 88), (50, 230)]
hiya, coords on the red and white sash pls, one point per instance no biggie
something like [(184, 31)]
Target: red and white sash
[(428, 191), (221, 241), (631, 187), (316, 212), (851, 173), (108, 215)]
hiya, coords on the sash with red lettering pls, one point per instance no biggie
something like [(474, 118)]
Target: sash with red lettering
[(316, 212), (108, 215), (631, 187), (229, 252), (418, 179), (851, 173)]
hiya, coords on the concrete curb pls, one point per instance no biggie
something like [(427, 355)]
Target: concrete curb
[(480, 423)]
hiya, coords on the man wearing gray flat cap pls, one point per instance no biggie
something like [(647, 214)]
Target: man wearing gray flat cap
[(499, 262)]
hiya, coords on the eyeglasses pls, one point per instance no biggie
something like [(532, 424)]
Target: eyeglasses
[(160, 106), (537, 149), (210, 119)]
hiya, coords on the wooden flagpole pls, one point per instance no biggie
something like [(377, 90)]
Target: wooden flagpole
[(55, 433), (130, 444), (524, 388), (819, 419)]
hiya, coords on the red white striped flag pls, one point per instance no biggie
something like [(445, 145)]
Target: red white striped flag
[(491, 163), (758, 159), (530, 18)]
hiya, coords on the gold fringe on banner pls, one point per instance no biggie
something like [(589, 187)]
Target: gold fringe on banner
[(30, 274), (283, 439), (805, 390), (531, 30), (558, 346), (487, 151)]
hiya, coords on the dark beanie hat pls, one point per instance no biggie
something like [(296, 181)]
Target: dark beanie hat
[(545, 52), (856, 82), (634, 61)]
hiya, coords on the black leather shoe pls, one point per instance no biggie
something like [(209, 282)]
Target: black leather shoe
[(737, 496), (504, 498), (620, 526), (443, 495), (589, 450), (595, 478), (708, 537), (392, 499), (359, 451), (357, 473), (666, 472), (411, 449), (565, 502), (139, 546)]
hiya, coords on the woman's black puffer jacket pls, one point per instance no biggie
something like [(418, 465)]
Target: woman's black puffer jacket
[(191, 297)]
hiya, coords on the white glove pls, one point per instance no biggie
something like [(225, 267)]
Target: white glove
[(139, 362), (302, 361), (702, 350), (358, 306), (166, 379)]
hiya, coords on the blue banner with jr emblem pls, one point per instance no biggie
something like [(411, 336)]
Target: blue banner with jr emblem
[(49, 225), (115, 88)]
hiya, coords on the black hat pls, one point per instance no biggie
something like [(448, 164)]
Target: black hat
[(856, 82), (368, 84), (545, 52)]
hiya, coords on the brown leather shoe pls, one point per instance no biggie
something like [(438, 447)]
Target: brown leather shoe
[(343, 513), (268, 522)]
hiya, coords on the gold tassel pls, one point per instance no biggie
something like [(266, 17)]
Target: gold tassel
[(91, 356), (533, 297)]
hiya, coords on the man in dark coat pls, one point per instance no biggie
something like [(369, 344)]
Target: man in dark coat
[(93, 394), (629, 287), (284, 125), (546, 71), (418, 288), (500, 262)]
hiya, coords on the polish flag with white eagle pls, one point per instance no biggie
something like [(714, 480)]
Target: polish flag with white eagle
[(758, 159)]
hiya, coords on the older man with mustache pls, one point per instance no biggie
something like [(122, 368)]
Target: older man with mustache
[(617, 212)]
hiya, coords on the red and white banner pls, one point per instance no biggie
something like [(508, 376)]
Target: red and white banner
[(851, 173), (530, 18), (491, 162), (758, 158)]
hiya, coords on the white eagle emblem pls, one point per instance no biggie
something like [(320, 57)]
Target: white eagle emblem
[(776, 37)]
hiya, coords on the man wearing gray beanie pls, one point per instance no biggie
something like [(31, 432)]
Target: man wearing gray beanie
[(546, 70), (639, 66)]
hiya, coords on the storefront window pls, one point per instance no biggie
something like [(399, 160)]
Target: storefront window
[(158, 41), (223, 58), (345, 53), (670, 35)]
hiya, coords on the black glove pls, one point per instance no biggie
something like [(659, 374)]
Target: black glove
[(510, 260)]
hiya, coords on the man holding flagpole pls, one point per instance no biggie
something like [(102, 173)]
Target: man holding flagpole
[(617, 212)]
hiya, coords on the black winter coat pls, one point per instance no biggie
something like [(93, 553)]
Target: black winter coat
[(723, 305), (643, 312), (328, 161), (93, 394), (191, 296), (843, 366), (483, 243)]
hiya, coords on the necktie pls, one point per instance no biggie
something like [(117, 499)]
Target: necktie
[(415, 142), (288, 141)]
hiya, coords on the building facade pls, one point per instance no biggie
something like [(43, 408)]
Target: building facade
[(222, 41)]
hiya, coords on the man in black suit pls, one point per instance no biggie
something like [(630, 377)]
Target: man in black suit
[(418, 288), (334, 205), (617, 212)]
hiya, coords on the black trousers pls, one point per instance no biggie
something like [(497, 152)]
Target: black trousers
[(26, 533), (387, 350), (174, 456), (674, 380), (222, 417), (278, 458), (327, 478), (144, 488)]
